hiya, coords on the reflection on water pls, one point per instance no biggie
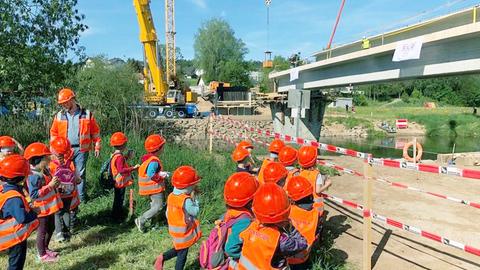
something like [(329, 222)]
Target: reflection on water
[(392, 147)]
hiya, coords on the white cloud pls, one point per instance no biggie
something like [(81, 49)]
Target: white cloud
[(200, 3)]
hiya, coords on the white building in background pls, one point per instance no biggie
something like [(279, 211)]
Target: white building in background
[(200, 88), (340, 102)]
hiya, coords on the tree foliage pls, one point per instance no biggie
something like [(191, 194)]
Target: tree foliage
[(454, 90), (220, 54), (36, 39), (108, 91), (279, 63)]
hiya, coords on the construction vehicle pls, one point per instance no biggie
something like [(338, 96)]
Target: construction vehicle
[(163, 94)]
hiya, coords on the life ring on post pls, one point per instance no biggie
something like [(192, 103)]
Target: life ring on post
[(419, 152)]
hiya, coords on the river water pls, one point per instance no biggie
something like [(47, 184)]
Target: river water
[(391, 147)]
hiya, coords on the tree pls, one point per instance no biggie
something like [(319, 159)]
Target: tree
[(279, 63), (36, 39), (220, 54)]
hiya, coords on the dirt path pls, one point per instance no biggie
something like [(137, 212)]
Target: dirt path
[(393, 248)]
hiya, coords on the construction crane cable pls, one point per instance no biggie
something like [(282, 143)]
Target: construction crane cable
[(336, 24)]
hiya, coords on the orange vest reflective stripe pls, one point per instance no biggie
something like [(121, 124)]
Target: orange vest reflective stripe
[(75, 200), (89, 130), (259, 245), (183, 228), (306, 223), (121, 181), (311, 176), (49, 203), (12, 232), (260, 173), (149, 185)]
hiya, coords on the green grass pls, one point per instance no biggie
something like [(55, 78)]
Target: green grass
[(100, 244), (350, 121)]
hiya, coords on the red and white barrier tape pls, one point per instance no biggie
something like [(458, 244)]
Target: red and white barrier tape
[(298, 140), (399, 185), (429, 168), (405, 227), (446, 170)]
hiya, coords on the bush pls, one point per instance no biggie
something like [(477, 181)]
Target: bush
[(416, 94), (405, 98), (360, 100)]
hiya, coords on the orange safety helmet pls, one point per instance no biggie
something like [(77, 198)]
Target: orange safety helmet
[(153, 143), (118, 139), (239, 189), (36, 149), (14, 166), (60, 145), (307, 156), (275, 146), (299, 187), (65, 95), (185, 176), (274, 172), (239, 154), (6, 142), (271, 204), (288, 155), (245, 144)]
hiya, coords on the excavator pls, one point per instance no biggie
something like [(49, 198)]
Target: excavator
[(163, 95)]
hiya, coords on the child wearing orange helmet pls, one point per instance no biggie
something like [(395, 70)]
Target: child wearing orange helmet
[(63, 167), (42, 188), (17, 220), (238, 195), (182, 211), (307, 158), (7, 146), (151, 179), (274, 148), (288, 157), (304, 218), (121, 172), (270, 238), (276, 173), (243, 159)]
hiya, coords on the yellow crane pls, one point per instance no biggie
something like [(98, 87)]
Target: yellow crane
[(160, 87)]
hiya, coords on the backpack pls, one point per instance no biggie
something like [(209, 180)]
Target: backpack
[(67, 180), (106, 177), (212, 254)]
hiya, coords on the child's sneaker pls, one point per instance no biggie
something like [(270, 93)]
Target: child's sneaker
[(48, 259), (52, 253)]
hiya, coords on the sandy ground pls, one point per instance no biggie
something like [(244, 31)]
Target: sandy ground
[(394, 248)]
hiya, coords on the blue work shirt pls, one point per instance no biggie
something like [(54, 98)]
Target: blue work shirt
[(153, 168), (15, 208), (73, 131)]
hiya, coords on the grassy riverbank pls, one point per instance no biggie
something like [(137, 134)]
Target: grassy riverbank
[(100, 244)]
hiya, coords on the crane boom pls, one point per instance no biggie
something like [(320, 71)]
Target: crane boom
[(153, 73), (170, 41)]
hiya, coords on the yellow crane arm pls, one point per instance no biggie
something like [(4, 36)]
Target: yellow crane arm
[(153, 68)]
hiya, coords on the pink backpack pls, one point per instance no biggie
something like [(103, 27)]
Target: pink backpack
[(212, 254)]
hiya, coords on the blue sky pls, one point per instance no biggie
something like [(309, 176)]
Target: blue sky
[(295, 25)]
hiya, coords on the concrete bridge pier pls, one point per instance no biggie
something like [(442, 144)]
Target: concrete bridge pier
[(309, 127)]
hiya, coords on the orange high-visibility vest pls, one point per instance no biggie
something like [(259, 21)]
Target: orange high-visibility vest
[(183, 228), (149, 185), (49, 203), (231, 214), (260, 173), (121, 181), (12, 232), (311, 176), (306, 223), (259, 245), (89, 130)]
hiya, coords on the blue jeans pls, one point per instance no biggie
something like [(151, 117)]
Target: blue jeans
[(80, 161)]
